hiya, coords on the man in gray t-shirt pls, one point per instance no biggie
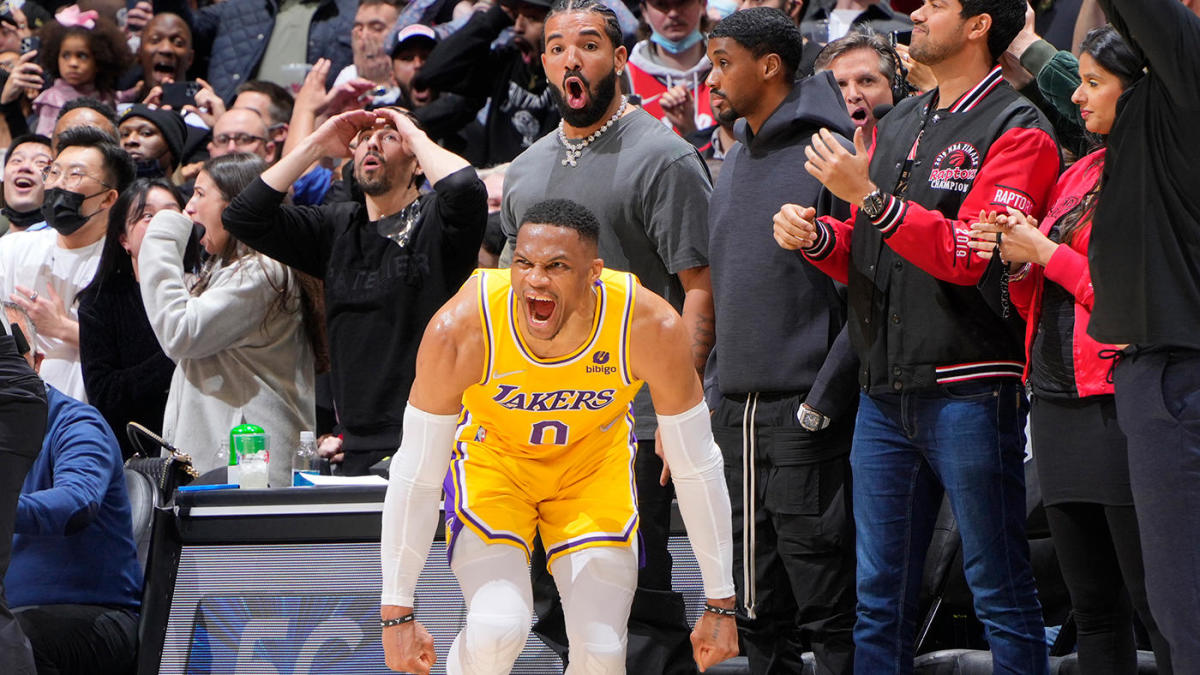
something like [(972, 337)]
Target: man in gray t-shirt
[(649, 189)]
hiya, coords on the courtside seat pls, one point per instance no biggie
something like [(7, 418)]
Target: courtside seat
[(142, 498)]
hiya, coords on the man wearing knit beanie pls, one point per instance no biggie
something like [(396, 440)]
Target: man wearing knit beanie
[(154, 138)]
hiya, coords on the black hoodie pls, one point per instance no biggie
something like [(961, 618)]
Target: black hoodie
[(780, 321), (1145, 244), (522, 107)]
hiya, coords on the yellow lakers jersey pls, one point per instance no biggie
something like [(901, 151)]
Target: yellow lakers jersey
[(540, 408)]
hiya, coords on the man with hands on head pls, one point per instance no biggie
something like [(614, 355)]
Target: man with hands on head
[(388, 264), (939, 344), (524, 385)]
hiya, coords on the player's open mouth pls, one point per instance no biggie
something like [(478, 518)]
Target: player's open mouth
[(576, 92), (859, 116), (541, 308), (370, 162)]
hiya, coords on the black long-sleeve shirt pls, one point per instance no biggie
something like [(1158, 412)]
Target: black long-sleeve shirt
[(378, 295), (125, 372), (1146, 232), (464, 63)]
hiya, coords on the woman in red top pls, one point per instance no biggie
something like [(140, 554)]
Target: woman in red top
[(1079, 450)]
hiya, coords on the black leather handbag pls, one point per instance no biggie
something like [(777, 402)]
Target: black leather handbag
[(166, 472)]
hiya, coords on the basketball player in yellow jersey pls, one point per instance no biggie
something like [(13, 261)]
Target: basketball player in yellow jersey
[(546, 358)]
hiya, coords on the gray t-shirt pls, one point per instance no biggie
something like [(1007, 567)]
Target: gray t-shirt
[(648, 187)]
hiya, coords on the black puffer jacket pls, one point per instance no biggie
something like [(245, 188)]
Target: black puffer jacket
[(233, 36)]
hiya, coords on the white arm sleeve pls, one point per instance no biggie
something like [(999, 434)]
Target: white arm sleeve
[(698, 471), (411, 506)]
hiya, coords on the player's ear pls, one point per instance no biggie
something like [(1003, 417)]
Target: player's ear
[(596, 267)]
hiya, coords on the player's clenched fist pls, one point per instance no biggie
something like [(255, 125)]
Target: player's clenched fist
[(795, 226), (714, 639), (408, 648)]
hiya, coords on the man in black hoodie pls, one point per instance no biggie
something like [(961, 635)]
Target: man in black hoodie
[(784, 372), (465, 63), (1143, 254)]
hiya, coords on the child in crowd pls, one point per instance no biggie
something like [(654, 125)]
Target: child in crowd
[(83, 54)]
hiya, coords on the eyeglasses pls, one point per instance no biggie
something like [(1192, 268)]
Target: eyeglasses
[(240, 140), (71, 179)]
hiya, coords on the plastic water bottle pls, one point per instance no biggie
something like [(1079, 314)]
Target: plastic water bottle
[(306, 460)]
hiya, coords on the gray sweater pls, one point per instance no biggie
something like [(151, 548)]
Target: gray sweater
[(231, 365)]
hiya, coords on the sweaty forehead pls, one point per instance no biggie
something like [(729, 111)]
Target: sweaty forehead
[(545, 241)]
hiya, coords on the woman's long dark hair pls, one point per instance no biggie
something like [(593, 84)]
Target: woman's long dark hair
[(115, 262), (1113, 54), (231, 174)]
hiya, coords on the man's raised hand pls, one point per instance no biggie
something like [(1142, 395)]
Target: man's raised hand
[(846, 174), (333, 138)]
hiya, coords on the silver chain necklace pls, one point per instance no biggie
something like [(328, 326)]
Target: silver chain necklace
[(574, 151), (399, 226)]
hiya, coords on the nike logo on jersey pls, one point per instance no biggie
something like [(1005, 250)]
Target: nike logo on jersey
[(608, 426), (501, 376)]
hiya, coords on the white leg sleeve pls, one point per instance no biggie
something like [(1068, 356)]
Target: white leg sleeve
[(698, 471), (597, 585), (410, 509), (495, 583)]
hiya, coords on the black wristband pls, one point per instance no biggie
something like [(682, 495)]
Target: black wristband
[(719, 611), (398, 621)]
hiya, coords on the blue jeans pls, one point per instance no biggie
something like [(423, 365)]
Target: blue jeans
[(966, 441)]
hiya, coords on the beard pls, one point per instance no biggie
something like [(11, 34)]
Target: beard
[(599, 98), (375, 185), (929, 52), (727, 114)]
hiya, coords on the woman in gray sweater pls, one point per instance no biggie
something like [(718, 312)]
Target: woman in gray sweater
[(236, 331)]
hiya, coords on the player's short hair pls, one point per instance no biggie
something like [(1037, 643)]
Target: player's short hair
[(765, 30), (564, 213)]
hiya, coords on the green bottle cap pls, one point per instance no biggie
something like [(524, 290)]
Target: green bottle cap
[(245, 438)]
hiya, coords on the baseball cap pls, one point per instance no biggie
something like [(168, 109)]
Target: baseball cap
[(414, 31)]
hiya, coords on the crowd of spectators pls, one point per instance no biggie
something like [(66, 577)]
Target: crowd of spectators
[(875, 218)]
